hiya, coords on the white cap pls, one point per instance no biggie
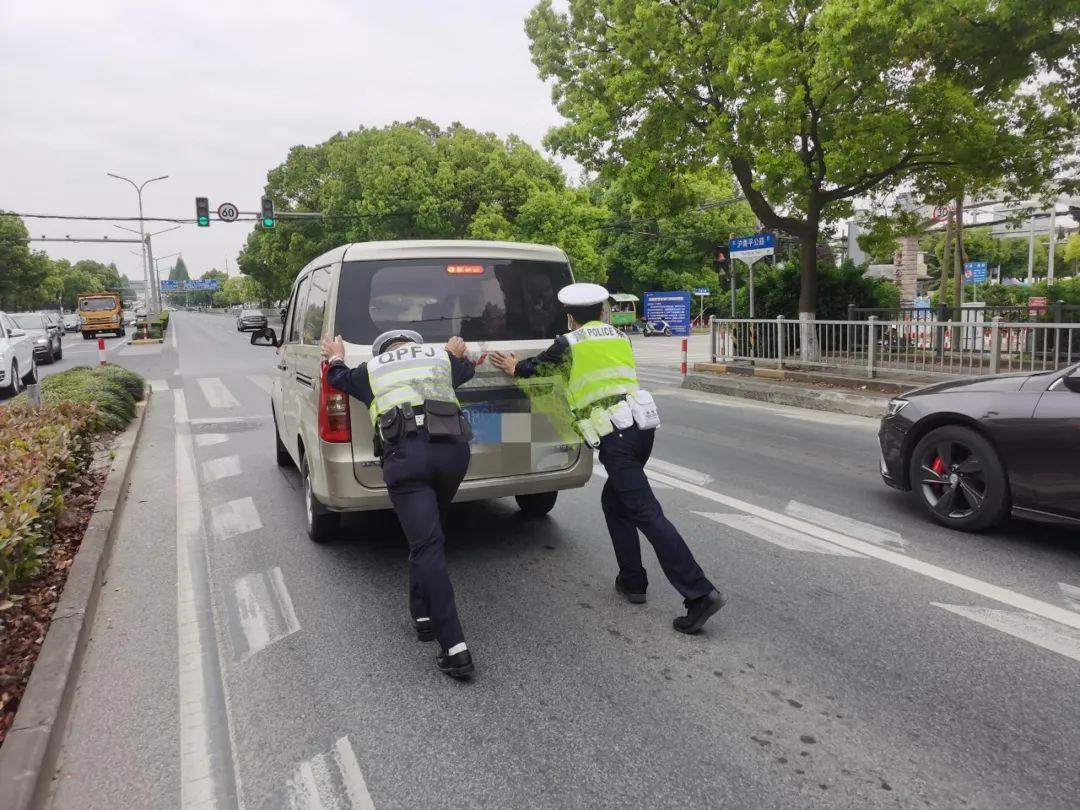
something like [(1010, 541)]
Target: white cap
[(582, 295), (378, 346)]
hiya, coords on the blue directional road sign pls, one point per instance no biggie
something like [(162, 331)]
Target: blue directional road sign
[(748, 249), (974, 272)]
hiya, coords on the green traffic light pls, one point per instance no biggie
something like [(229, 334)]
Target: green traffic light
[(204, 222), (268, 223)]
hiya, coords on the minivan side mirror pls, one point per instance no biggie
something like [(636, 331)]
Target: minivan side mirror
[(16, 333), (1072, 382), (264, 337)]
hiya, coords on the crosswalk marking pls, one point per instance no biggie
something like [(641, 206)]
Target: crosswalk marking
[(777, 535), (1025, 626), (264, 612), (677, 471), (235, 517), (210, 439), (217, 395), (261, 380), (217, 468), (886, 538), (330, 781), (1071, 595)]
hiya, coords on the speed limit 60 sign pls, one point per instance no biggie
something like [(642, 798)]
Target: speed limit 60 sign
[(227, 212)]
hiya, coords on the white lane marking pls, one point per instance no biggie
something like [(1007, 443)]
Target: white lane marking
[(235, 517), (877, 535), (929, 570), (330, 781), (226, 420), (787, 411), (261, 380), (210, 439), (207, 774), (217, 468), (600, 472), (265, 611), (675, 471), (1033, 629), (172, 331), (157, 385), (217, 395), (1071, 595), (777, 535)]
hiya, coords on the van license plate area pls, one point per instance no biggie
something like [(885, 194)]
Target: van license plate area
[(485, 421)]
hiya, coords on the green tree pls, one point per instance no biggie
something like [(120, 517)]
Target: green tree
[(811, 103), (239, 290), (22, 271), (1071, 255), (419, 181), (179, 271)]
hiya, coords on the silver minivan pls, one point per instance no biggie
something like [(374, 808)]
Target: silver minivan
[(497, 296)]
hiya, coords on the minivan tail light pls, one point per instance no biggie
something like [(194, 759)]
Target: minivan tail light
[(334, 424)]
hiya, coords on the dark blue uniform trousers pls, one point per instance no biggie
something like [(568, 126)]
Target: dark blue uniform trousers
[(422, 478), (630, 505)]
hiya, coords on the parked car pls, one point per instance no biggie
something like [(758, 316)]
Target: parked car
[(498, 295), (250, 319), (973, 451), (17, 365), (71, 322), (47, 342), (657, 329), (55, 322)]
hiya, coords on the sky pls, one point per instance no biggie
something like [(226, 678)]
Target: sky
[(213, 93)]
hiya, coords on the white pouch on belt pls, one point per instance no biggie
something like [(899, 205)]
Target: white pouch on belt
[(621, 415), (643, 407), (588, 432)]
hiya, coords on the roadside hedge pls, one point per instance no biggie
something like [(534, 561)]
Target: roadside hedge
[(42, 451), (113, 390)]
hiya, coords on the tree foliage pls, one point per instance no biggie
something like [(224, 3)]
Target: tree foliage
[(418, 181), (811, 103), (179, 271)]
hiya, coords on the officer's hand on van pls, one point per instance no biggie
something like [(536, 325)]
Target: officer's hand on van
[(506, 362), (457, 347), (332, 347)]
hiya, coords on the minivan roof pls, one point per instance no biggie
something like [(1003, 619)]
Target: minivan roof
[(442, 249)]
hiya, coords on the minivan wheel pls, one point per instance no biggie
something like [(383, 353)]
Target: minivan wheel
[(281, 452), (536, 505), (957, 476), (322, 524)]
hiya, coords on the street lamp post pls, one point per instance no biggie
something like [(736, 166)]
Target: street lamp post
[(154, 297), (153, 290)]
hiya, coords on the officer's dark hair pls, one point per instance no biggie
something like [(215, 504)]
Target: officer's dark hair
[(586, 313)]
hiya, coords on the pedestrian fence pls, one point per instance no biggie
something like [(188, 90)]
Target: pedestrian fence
[(923, 346)]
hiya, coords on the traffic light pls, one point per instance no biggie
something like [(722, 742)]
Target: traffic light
[(202, 212), (721, 260), (268, 213)]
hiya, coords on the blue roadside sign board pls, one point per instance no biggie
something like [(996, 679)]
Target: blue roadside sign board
[(701, 290), (974, 272), (673, 307), (193, 285), (753, 242)]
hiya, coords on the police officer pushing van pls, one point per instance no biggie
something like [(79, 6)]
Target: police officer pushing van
[(611, 412), (422, 440)]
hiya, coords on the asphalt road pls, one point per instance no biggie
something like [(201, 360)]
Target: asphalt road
[(866, 658)]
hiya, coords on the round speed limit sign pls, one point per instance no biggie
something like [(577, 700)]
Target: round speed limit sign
[(227, 212)]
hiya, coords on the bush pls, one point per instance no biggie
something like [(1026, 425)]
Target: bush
[(112, 390), (42, 451)]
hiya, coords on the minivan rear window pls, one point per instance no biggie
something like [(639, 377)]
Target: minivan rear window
[(479, 299)]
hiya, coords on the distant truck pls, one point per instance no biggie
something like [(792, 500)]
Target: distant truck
[(100, 312)]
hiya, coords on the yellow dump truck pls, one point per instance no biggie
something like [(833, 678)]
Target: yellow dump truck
[(100, 312)]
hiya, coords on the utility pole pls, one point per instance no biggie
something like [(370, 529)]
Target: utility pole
[(1031, 250), (147, 272), (153, 290), (1053, 242)]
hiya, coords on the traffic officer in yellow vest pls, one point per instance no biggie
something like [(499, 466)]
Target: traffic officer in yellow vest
[(612, 412), (423, 441)]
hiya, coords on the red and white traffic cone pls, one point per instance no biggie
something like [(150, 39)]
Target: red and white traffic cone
[(682, 366), (101, 351)]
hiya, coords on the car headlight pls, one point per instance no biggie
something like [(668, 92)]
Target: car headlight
[(895, 406), (42, 341)]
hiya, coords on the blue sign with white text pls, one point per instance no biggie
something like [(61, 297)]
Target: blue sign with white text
[(974, 272), (673, 307), (756, 241)]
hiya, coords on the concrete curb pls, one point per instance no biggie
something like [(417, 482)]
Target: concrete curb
[(28, 757), (819, 399)]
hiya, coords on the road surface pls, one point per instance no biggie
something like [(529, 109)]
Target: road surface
[(866, 657)]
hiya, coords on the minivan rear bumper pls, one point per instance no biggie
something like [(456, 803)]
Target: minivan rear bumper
[(339, 477)]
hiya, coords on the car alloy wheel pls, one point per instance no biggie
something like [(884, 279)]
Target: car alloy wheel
[(959, 479)]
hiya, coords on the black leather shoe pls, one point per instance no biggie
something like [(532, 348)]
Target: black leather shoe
[(635, 597), (459, 665), (698, 612), (425, 630)]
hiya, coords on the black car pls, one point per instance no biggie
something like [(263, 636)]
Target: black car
[(974, 450), (250, 319)]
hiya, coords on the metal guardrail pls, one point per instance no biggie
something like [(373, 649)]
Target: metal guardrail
[(910, 346), (1054, 312)]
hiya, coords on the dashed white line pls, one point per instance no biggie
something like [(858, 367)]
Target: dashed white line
[(235, 517), (330, 781), (1071, 595), (261, 380), (264, 610), (217, 468), (886, 538), (210, 439), (1030, 628), (781, 536), (677, 471), (216, 393)]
